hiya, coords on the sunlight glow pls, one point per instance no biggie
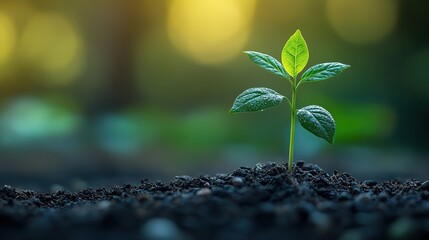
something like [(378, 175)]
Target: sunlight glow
[(7, 37), (363, 21), (50, 42), (210, 31)]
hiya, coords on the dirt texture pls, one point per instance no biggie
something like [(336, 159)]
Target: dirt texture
[(263, 202)]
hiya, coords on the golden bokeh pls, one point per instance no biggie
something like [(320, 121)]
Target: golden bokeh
[(7, 37), (210, 31), (50, 42), (362, 21)]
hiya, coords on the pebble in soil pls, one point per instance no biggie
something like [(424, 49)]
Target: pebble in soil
[(263, 202)]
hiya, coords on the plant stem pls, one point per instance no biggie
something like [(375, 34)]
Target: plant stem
[(292, 128)]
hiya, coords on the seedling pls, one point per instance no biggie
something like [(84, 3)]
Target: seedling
[(313, 118)]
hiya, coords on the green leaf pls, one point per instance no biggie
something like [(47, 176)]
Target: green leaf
[(256, 99), (268, 63), (295, 54), (323, 71), (317, 121)]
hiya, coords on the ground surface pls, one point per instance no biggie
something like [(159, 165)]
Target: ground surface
[(264, 202)]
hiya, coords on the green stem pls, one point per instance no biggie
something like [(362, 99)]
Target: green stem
[(292, 127)]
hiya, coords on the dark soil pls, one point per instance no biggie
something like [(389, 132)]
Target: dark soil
[(264, 202)]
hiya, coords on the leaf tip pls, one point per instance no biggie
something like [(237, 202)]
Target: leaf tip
[(295, 54)]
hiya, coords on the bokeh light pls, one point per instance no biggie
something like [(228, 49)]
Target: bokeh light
[(362, 21), (50, 42), (7, 37), (31, 118), (210, 31)]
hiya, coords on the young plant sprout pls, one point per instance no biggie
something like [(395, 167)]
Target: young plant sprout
[(313, 118)]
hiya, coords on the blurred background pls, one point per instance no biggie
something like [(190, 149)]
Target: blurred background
[(106, 92)]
